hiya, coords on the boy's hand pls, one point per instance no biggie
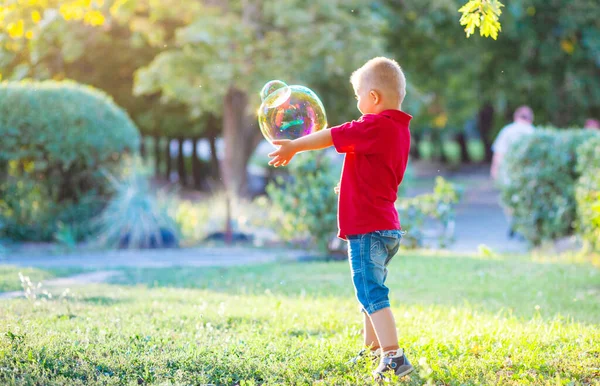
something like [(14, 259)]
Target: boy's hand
[(284, 154), (336, 188)]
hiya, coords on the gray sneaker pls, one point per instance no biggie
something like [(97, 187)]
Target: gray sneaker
[(397, 364)]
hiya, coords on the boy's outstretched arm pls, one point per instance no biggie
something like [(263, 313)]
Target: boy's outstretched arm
[(288, 149)]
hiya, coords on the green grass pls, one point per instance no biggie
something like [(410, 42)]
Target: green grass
[(461, 320), (9, 275)]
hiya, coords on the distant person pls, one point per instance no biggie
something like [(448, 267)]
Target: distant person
[(592, 124), (510, 134), (522, 125)]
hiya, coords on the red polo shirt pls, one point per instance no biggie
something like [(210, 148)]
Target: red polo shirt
[(376, 148)]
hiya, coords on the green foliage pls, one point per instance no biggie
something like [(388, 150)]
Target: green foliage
[(539, 188), (476, 150), (136, 216), (105, 58), (427, 150), (221, 46), (587, 192), (57, 137), (482, 14), (192, 219), (451, 150), (439, 205), (307, 201), (546, 57)]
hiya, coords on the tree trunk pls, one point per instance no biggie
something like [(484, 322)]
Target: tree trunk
[(157, 152), (213, 130), (142, 147), (181, 163), (168, 159), (436, 145), (414, 147), (241, 138), (196, 166), (464, 152), (485, 120)]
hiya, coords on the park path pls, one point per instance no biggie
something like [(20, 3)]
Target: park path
[(105, 263), (190, 257), (481, 220), (479, 217), (67, 282)]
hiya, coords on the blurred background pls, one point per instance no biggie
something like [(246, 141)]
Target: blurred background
[(146, 113)]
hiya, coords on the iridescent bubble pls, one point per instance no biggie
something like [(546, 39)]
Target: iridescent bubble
[(270, 87), (289, 112)]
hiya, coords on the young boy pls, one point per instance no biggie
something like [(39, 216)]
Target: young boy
[(376, 152)]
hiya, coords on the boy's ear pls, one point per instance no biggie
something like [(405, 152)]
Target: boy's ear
[(375, 96)]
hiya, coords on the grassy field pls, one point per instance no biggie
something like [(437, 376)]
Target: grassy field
[(461, 320)]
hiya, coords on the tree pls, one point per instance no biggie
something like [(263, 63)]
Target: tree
[(219, 61)]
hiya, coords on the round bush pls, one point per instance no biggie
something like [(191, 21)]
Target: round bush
[(540, 191), (57, 138)]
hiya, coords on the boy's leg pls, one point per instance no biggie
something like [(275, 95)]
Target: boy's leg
[(385, 327), (369, 334)]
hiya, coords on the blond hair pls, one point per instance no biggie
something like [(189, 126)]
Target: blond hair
[(383, 75)]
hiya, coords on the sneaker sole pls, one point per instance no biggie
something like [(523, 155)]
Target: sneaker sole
[(405, 372), (380, 376)]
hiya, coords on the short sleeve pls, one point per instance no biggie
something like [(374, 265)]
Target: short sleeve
[(500, 145), (361, 136)]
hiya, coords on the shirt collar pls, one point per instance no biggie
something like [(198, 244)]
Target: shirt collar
[(397, 115)]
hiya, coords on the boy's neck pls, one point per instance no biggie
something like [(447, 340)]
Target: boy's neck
[(380, 109)]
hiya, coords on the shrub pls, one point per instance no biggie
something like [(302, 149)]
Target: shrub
[(587, 192), (57, 137), (540, 187), (426, 149), (136, 217), (476, 150), (439, 205), (192, 219), (206, 220), (451, 150), (307, 204)]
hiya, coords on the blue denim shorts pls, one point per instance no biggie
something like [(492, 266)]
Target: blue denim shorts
[(369, 255)]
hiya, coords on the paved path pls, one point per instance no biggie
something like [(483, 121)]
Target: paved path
[(480, 220), (479, 217), (104, 261), (66, 282), (194, 257)]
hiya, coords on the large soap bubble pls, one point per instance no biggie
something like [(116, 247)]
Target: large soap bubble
[(289, 112)]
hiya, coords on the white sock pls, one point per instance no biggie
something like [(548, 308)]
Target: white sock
[(393, 353)]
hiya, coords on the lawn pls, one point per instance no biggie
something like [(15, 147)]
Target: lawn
[(461, 320)]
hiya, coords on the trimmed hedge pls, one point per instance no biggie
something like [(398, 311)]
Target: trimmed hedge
[(57, 138), (587, 192), (540, 191)]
